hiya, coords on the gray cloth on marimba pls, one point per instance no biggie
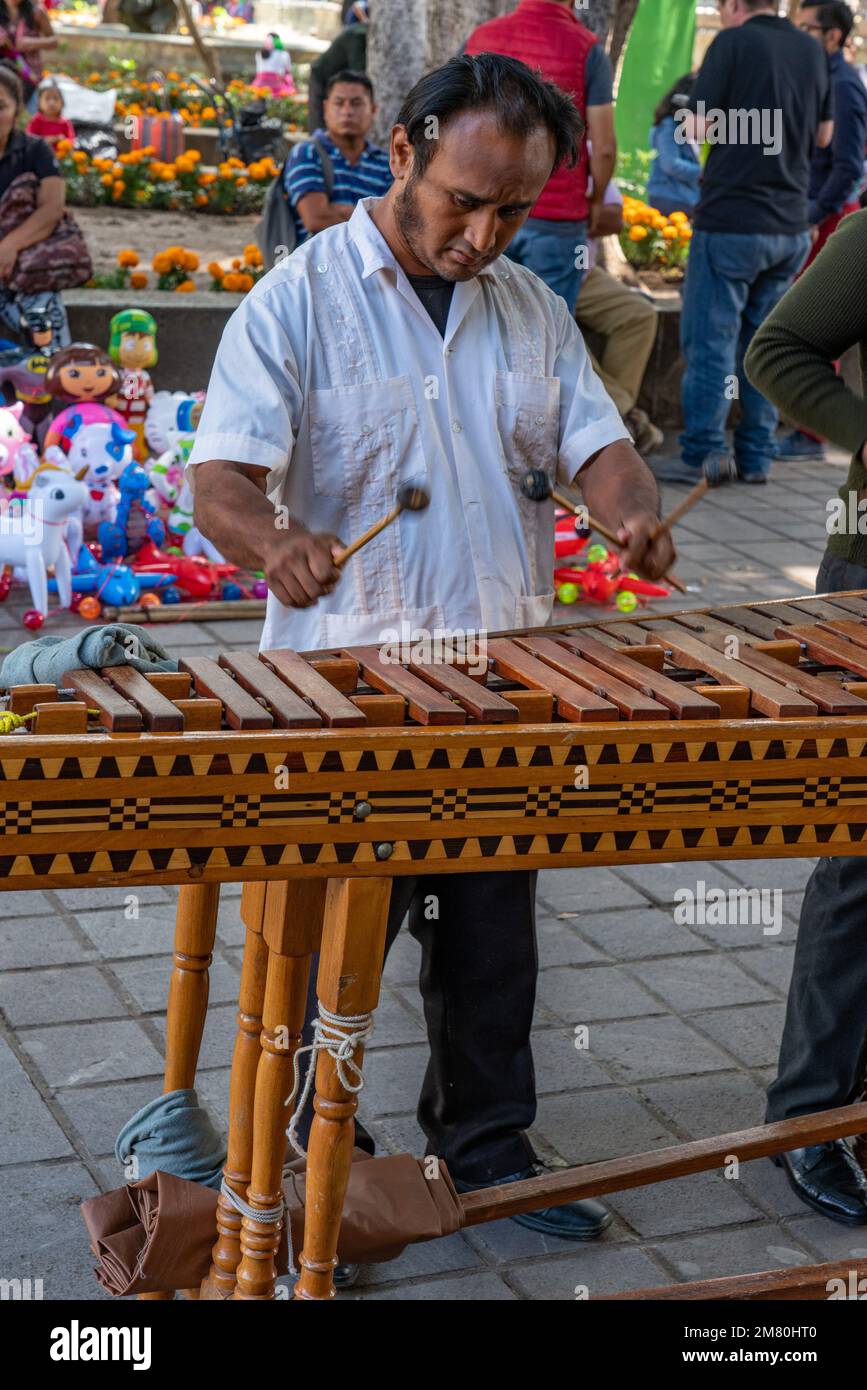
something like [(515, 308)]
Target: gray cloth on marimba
[(174, 1134), (45, 660)]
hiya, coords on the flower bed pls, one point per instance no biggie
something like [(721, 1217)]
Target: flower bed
[(175, 265), (136, 97), (137, 179), (650, 240)]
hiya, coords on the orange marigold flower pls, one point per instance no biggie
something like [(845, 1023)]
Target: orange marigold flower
[(127, 258), (231, 281), (245, 282), (236, 263), (215, 270), (191, 260), (185, 287), (118, 190), (138, 280), (106, 180), (162, 262), (201, 200), (241, 181)]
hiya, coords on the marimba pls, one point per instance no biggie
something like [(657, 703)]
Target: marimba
[(314, 779)]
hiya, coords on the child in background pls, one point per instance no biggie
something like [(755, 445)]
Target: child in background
[(48, 122)]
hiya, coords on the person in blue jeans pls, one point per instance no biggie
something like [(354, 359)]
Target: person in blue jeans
[(762, 101), (675, 172)]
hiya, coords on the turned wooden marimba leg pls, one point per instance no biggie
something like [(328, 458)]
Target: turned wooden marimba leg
[(219, 1283), (353, 948), (195, 932), (292, 932)]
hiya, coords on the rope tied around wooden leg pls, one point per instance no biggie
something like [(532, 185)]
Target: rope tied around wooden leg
[(267, 1215), (338, 1035)]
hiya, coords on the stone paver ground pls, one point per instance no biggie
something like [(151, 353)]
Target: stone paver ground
[(684, 1022)]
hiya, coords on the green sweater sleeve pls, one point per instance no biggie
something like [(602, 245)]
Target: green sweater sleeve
[(791, 358)]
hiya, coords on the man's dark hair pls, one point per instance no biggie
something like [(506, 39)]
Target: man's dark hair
[(521, 100), (832, 14), (761, 4), (359, 79)]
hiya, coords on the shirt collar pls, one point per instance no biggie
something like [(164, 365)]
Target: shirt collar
[(375, 252), (322, 134)]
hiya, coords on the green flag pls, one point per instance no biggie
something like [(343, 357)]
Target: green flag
[(659, 51)]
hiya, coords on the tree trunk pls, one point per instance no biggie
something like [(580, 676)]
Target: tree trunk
[(596, 15), (450, 23), (396, 56), (620, 30)]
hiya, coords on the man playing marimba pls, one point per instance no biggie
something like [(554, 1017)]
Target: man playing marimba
[(401, 346)]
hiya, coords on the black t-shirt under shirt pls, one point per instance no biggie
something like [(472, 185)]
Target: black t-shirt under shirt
[(435, 294), (26, 154), (768, 68)]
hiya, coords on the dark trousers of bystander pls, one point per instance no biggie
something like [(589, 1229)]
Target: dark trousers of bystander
[(823, 1056)]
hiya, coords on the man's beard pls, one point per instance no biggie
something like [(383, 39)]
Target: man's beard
[(410, 225)]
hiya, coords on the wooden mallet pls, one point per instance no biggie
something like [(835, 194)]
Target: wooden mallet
[(536, 485), (410, 498)]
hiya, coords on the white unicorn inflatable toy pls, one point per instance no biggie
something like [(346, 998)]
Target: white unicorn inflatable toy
[(32, 533)]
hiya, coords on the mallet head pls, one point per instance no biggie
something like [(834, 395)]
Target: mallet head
[(536, 485), (412, 498)]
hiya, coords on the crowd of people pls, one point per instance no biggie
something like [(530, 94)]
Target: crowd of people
[(760, 213)]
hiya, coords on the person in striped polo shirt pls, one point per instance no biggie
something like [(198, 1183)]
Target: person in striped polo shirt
[(322, 193)]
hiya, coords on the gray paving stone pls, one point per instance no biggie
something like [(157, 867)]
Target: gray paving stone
[(116, 938), (58, 996), (26, 941), (392, 1079), (147, 981), (716, 1254), (21, 904), (830, 1240), (212, 1089), (660, 881), (472, 1287), (559, 943), (98, 1113), (403, 961), (768, 1186), (395, 1134), (649, 1047), (773, 966), (237, 632), (585, 890), (421, 1261), (29, 1131), (693, 1203), (790, 875), (752, 1034), (735, 934), (218, 1039), (596, 1268), (599, 1124), (43, 1234), (701, 1106), (597, 992), (74, 1054), (560, 1066), (94, 899), (699, 982), (639, 934), (397, 1019)]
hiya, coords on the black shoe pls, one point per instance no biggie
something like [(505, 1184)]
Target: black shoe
[(344, 1276), (828, 1178), (571, 1221)]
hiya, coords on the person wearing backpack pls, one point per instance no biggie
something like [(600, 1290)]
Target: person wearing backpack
[(359, 169), (325, 176)]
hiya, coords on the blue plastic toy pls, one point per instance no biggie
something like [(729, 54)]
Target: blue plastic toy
[(136, 519)]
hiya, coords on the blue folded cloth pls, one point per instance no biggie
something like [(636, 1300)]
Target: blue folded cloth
[(172, 1134), (44, 660)]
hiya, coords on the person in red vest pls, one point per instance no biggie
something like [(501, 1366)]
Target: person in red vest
[(546, 35)]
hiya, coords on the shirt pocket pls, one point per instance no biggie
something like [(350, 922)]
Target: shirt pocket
[(364, 441), (528, 422)]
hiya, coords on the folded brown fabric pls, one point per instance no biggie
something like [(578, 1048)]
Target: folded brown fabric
[(156, 1235), (389, 1204)]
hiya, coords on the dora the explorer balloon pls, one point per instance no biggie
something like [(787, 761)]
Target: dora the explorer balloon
[(80, 374), (133, 346)]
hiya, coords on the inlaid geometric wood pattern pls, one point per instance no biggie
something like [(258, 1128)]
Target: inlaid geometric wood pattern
[(251, 802)]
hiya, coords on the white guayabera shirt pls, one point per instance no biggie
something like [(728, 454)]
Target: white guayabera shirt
[(332, 376)]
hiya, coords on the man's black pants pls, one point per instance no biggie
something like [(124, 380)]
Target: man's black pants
[(478, 982), (823, 1056)]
